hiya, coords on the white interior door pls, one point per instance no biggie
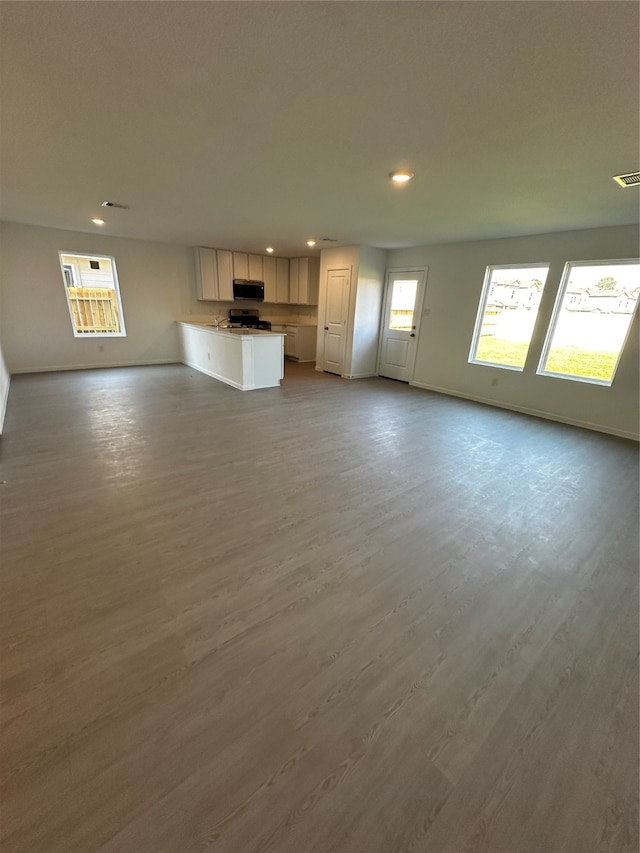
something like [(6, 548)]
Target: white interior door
[(399, 337), (336, 310)]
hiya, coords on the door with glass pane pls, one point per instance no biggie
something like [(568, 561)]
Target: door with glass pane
[(402, 309)]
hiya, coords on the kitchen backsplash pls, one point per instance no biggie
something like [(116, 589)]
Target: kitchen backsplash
[(280, 313)]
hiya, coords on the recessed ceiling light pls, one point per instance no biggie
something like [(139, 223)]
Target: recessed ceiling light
[(98, 221), (269, 249), (401, 177), (311, 242)]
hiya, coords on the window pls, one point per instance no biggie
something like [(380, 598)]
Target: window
[(403, 300), (507, 315), (591, 320), (93, 296)]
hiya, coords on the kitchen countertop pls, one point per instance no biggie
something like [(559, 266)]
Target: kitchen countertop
[(232, 332)]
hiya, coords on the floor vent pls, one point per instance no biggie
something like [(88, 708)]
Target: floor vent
[(632, 179)]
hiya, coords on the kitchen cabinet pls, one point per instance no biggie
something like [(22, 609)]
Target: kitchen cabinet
[(207, 288), (304, 276), (276, 279), (286, 281), (294, 285), (240, 265), (270, 281), (247, 266), (256, 271), (300, 342), (282, 280), (225, 275), (244, 359)]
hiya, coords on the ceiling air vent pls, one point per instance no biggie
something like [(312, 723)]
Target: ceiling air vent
[(632, 179)]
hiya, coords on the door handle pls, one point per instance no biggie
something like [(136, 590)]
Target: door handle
[(326, 328), (412, 335)]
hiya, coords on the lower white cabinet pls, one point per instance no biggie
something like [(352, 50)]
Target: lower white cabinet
[(245, 360), (300, 342)]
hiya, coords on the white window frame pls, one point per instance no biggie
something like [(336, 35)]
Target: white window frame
[(116, 284), (564, 281), (475, 340)]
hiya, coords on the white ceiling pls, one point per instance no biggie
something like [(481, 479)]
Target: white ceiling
[(244, 124)]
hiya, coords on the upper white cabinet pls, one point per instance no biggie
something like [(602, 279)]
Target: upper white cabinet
[(214, 275), (256, 271), (292, 281), (282, 280), (269, 273), (247, 266), (276, 279), (225, 275), (304, 276), (240, 265), (207, 274)]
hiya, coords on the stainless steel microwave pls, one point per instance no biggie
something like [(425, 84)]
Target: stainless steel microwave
[(244, 288)]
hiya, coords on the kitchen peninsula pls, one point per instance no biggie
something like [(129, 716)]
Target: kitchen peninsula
[(244, 358)]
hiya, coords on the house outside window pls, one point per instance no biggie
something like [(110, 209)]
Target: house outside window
[(507, 315), (592, 318), (93, 295)]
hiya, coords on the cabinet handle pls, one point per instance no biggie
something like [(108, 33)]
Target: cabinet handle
[(326, 328), (412, 335)]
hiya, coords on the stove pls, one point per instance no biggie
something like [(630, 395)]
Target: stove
[(247, 318)]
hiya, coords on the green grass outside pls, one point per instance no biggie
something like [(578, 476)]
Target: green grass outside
[(499, 351), (577, 362), (571, 361)]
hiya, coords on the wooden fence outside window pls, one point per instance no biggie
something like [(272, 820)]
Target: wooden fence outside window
[(95, 309)]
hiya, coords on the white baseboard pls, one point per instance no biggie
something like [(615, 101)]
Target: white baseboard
[(548, 416), (61, 367), (358, 375), (229, 381)]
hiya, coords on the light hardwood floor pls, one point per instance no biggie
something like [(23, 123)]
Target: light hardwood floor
[(339, 617)]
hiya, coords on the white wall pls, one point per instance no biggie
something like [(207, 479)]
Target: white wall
[(368, 307), (368, 269), (5, 380), (454, 283), (157, 286)]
